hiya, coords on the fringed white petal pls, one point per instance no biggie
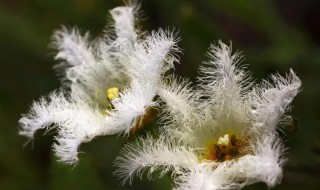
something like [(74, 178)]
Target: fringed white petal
[(181, 109), (181, 100), (204, 176), (223, 81), (121, 37), (152, 155), (267, 166), (132, 104), (150, 59), (271, 100), (264, 165), (76, 123), (74, 49), (124, 25), (153, 57)]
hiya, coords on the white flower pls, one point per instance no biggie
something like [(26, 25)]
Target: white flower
[(108, 84), (223, 135)]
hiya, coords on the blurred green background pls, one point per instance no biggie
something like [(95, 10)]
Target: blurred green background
[(273, 36)]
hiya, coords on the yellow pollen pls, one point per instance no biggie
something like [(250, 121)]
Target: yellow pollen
[(112, 93), (224, 140)]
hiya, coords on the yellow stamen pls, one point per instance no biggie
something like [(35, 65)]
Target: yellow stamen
[(224, 140), (227, 147), (112, 93)]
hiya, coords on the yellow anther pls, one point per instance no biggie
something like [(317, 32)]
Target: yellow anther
[(224, 140), (112, 93), (227, 147)]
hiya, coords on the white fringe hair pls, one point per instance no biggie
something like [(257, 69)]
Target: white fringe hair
[(196, 118), (224, 100), (123, 57)]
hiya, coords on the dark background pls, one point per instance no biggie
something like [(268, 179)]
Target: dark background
[(273, 36)]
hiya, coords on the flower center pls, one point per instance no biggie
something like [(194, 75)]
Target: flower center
[(226, 148)]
